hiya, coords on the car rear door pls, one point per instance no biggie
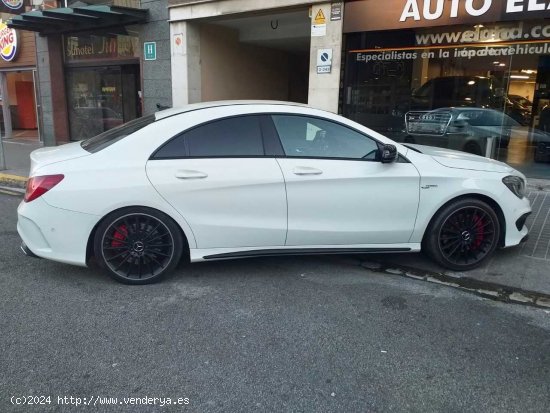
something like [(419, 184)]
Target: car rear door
[(218, 177)]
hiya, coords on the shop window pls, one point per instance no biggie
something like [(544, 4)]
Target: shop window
[(411, 85)]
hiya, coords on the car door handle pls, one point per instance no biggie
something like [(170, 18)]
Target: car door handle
[(190, 174), (306, 170)]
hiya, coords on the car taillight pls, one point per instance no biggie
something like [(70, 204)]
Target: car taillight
[(39, 185)]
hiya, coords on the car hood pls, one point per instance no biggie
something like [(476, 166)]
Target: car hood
[(53, 154), (462, 160)]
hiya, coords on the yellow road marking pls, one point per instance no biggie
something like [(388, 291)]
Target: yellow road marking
[(9, 177)]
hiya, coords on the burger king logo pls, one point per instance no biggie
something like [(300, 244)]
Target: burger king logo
[(8, 42), (13, 4)]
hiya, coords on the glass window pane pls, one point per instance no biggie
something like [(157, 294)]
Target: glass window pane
[(311, 137), (111, 136), (239, 136), (480, 88)]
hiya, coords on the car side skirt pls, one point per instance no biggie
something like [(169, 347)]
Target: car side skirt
[(210, 254)]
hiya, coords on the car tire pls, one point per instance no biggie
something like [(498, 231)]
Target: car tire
[(138, 245), (462, 234)]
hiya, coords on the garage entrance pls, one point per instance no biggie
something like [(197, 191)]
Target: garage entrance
[(258, 56)]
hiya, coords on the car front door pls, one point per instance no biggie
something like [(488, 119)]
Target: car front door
[(338, 191), (219, 179)]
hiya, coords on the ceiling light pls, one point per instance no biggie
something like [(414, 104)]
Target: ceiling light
[(519, 77), (528, 71)]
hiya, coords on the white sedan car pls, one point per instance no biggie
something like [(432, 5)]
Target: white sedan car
[(239, 179)]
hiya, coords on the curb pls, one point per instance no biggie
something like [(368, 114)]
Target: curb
[(13, 181), (494, 291)]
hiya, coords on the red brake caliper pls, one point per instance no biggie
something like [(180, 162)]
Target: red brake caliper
[(120, 234), (479, 233)]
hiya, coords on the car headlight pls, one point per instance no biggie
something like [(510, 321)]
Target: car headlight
[(515, 184)]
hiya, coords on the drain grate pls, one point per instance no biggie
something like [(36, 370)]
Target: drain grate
[(538, 245)]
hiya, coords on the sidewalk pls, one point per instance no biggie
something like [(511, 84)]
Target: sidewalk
[(519, 274), (18, 163)]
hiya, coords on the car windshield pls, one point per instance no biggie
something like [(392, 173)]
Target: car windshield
[(107, 138)]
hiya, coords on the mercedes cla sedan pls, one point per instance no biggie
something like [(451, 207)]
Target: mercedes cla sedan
[(239, 179)]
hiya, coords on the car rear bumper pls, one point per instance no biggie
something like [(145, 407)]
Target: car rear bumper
[(54, 233)]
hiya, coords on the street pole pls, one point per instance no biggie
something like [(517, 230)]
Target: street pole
[(2, 156)]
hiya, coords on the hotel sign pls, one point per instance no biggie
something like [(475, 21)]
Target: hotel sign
[(90, 47), (367, 15)]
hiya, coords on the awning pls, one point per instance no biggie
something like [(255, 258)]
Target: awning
[(95, 19)]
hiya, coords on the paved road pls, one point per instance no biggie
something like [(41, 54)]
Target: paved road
[(286, 334)]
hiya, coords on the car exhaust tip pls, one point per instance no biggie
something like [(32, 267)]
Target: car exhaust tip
[(27, 251)]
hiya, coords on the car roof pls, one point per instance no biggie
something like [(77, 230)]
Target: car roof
[(206, 105)]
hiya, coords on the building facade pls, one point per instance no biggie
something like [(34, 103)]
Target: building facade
[(100, 64), (17, 76), (461, 74), (245, 49)]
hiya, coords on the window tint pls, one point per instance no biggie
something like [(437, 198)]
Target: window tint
[(311, 137), (239, 136), (111, 136)]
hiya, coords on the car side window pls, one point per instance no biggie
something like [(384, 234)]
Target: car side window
[(303, 136), (236, 136)]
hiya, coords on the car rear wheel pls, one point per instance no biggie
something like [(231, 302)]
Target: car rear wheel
[(463, 234), (138, 245)]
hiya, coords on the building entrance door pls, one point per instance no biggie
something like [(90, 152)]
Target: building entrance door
[(101, 98)]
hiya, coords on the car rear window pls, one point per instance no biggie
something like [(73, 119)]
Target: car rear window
[(107, 138)]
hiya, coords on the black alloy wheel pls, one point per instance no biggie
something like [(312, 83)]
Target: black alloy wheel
[(138, 246), (463, 234)]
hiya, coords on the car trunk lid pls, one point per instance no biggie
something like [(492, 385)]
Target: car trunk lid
[(47, 156)]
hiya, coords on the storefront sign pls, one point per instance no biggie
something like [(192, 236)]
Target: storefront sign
[(8, 42), (79, 48), (13, 6), (367, 15), (503, 39)]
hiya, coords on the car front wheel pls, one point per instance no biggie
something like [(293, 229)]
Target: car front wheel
[(462, 234), (138, 245)]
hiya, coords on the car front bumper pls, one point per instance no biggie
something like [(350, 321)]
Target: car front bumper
[(516, 212)]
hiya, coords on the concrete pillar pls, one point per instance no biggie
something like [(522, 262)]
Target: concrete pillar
[(51, 86), (6, 106), (157, 83), (186, 66), (324, 88)]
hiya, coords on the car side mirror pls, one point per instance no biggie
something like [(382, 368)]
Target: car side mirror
[(388, 154)]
